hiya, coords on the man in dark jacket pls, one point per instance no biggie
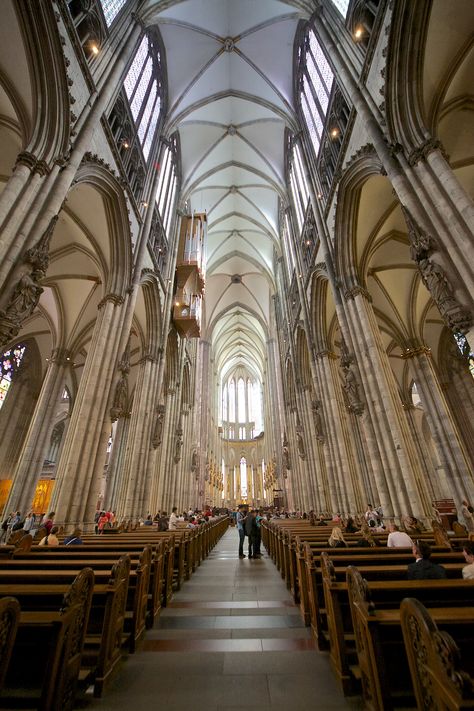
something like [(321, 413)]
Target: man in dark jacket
[(423, 568), (251, 531)]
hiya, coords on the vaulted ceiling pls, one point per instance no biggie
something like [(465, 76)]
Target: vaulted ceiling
[(230, 90)]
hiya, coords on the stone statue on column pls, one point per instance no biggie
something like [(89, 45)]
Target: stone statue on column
[(318, 424), (300, 441), (120, 403), (458, 318), (422, 246), (158, 429), (286, 461), (26, 291), (351, 385), (178, 445)]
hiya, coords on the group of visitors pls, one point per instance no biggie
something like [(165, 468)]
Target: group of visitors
[(249, 525), (187, 519), (30, 523)]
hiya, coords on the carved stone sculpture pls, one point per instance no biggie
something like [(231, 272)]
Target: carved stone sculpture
[(158, 430), (120, 404), (178, 445), (300, 441), (26, 290), (194, 460), (458, 318), (318, 423), (351, 386), (286, 455)]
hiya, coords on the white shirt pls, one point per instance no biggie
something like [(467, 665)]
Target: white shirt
[(468, 572), (173, 522), (399, 539)]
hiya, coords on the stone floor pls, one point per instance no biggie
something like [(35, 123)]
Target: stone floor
[(231, 639)]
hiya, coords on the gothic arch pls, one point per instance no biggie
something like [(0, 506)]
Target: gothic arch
[(48, 133), (99, 177), (355, 175)]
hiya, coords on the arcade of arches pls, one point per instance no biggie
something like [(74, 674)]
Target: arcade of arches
[(236, 255)]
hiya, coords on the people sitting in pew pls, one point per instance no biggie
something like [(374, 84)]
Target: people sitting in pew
[(397, 538), (350, 526), (51, 539), (336, 539), (74, 539), (47, 521), (423, 568), (366, 540), (322, 521), (468, 552), (412, 525)]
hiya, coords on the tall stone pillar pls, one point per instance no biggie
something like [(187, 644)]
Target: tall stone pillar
[(397, 456), (35, 446), (77, 476), (138, 441), (115, 466), (457, 468)]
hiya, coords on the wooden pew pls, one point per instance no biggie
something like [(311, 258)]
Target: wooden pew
[(381, 653), (440, 681), (139, 581), (77, 556), (103, 648), (9, 618), (48, 650)]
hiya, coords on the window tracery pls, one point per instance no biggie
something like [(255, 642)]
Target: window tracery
[(9, 364), (241, 405), (111, 9)]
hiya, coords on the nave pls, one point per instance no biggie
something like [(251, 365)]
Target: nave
[(231, 638)]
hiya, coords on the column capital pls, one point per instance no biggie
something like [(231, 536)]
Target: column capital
[(325, 354), (422, 151), (148, 357), (61, 356), (115, 299), (416, 351), (357, 290)]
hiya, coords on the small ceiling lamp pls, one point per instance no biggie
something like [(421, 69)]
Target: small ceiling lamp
[(358, 33), (125, 143), (94, 48), (334, 132)]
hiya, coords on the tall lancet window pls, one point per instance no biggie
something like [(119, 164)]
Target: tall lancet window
[(243, 478), (316, 84), (167, 185), (298, 184), (111, 9), (232, 400), (224, 403), (143, 89), (241, 400)]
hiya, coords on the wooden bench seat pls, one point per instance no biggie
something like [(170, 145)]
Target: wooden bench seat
[(138, 588), (338, 622), (47, 652), (380, 645)]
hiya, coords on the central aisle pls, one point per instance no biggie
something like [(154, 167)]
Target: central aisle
[(230, 639)]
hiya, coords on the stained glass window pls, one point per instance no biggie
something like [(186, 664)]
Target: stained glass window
[(111, 9), (241, 400), (317, 83), (9, 364), (243, 477), (466, 351), (142, 87)]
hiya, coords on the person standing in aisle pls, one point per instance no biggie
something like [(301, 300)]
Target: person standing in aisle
[(241, 519)]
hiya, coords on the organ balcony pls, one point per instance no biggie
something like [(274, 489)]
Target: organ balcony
[(187, 314), (192, 240), (190, 266)]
